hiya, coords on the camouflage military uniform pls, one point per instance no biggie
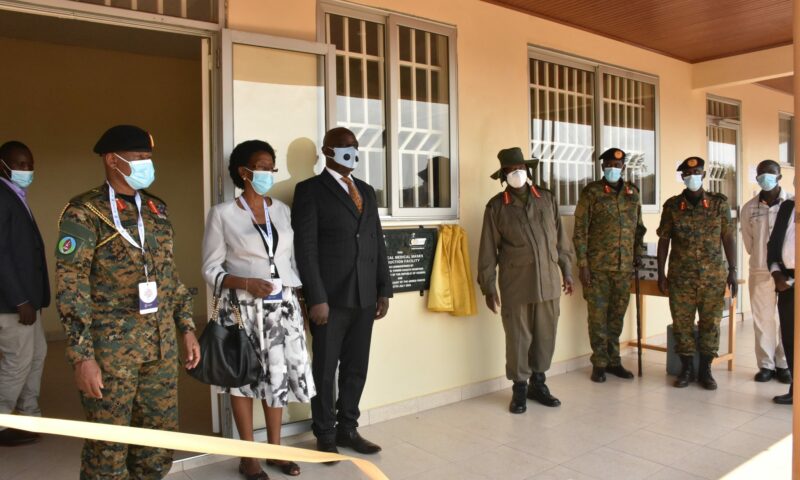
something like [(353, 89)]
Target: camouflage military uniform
[(697, 271), (98, 273), (608, 236)]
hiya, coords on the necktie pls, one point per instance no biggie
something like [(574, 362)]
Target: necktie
[(354, 195)]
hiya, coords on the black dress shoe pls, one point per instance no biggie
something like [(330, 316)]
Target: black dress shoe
[(783, 399), (351, 438), (328, 446), (619, 371), (783, 375), (11, 437), (764, 375), (598, 374)]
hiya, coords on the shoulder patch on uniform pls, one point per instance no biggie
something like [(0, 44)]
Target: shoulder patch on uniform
[(67, 245)]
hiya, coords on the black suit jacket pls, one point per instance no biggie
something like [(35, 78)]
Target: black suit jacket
[(778, 235), (340, 254), (23, 268)]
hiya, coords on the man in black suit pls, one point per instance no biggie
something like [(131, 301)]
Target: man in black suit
[(780, 258), (24, 290), (341, 257)]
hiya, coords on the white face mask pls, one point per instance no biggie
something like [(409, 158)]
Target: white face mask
[(345, 156), (517, 178)]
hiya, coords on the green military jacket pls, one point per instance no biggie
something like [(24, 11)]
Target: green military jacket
[(695, 233), (528, 243), (609, 231), (98, 273)]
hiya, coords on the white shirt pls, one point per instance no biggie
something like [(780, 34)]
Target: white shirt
[(232, 245), (340, 179), (757, 220), (788, 248)]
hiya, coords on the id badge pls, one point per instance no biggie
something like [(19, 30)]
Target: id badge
[(148, 297), (277, 293)]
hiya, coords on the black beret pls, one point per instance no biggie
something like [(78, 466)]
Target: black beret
[(124, 138), (612, 154), (691, 162)]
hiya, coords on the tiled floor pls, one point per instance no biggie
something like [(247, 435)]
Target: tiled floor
[(639, 429)]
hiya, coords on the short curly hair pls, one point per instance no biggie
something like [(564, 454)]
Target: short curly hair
[(241, 155)]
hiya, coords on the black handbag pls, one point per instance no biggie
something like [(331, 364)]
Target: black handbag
[(227, 358)]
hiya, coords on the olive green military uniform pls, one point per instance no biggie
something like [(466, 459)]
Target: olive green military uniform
[(608, 237), (524, 236), (697, 273), (98, 274)]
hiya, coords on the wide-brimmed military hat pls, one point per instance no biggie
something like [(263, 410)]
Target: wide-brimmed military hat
[(691, 162), (510, 157), (124, 138)]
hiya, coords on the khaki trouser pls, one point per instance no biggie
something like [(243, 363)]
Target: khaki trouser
[(530, 338), (763, 303), (22, 352)]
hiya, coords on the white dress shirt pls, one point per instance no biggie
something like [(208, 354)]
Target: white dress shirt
[(232, 244), (340, 180)]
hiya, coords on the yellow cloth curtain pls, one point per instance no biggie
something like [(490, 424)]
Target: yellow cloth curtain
[(452, 289)]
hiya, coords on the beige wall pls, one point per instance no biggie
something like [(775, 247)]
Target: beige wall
[(416, 352), (59, 99)]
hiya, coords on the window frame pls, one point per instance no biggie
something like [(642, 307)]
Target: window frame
[(600, 69), (792, 144), (392, 22)]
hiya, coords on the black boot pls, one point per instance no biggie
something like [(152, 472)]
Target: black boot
[(687, 372), (784, 399), (518, 401), (704, 377), (598, 374), (619, 371), (538, 391)]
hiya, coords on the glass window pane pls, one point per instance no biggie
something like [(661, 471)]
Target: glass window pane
[(360, 90), (629, 117), (424, 121), (405, 44), (786, 139)]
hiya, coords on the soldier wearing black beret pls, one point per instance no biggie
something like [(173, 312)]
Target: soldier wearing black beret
[(120, 303), (698, 224)]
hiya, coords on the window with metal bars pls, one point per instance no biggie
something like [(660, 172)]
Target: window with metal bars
[(786, 138), (394, 85), (570, 110), (202, 10)]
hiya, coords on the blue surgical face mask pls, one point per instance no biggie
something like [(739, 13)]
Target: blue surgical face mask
[(612, 174), (767, 181), (262, 181), (142, 173), (345, 156), (693, 182), (20, 178)]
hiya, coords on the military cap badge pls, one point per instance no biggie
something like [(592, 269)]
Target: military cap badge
[(691, 163)]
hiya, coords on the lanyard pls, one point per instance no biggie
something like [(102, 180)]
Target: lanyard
[(266, 235), (112, 198)]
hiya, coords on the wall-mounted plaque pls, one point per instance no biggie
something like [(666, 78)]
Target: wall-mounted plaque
[(410, 253)]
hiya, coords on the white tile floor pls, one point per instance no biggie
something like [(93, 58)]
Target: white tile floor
[(639, 429)]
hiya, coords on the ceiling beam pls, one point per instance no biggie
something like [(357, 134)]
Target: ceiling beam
[(746, 68)]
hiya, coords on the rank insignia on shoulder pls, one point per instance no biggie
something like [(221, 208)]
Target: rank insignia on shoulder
[(705, 203), (159, 210), (535, 192), (606, 188), (682, 206), (67, 245), (506, 198)]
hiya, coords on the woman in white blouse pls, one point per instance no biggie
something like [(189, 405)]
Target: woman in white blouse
[(248, 244)]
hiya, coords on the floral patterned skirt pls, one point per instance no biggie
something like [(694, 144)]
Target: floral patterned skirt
[(277, 332)]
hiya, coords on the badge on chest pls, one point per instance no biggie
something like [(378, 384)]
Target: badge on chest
[(276, 296), (148, 297)]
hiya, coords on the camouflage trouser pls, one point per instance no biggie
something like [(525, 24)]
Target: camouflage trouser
[(706, 296), (139, 395), (607, 301)]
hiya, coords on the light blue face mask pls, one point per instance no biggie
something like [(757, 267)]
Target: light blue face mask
[(345, 156), (693, 182), (767, 181), (142, 173), (20, 178), (262, 181), (612, 174)]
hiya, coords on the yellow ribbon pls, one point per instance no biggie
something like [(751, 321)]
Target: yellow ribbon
[(180, 441)]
